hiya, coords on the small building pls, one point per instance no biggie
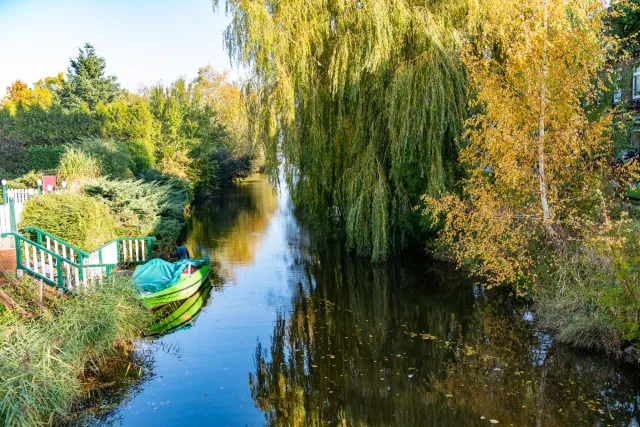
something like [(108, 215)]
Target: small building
[(627, 79)]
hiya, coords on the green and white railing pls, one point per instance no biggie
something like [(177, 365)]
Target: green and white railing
[(45, 264), (61, 264), (13, 200), (127, 250), (21, 195)]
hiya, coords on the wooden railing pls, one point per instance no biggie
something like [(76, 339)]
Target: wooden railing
[(52, 268)]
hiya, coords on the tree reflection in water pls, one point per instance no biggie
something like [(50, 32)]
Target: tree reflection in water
[(230, 229), (404, 344)]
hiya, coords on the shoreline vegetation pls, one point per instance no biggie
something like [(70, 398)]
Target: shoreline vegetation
[(133, 164), (493, 134), (494, 145)]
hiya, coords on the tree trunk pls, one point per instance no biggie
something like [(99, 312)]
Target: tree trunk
[(543, 383), (541, 130)]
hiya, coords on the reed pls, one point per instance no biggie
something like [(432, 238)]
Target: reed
[(43, 359)]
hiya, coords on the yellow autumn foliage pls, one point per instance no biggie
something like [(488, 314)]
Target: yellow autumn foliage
[(537, 144)]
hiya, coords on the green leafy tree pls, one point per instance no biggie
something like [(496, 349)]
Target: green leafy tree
[(86, 81), (624, 20), (364, 99)]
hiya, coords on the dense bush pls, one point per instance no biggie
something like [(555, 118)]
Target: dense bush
[(112, 157), (28, 180), (589, 296), (44, 157), (42, 358), (142, 156), (154, 207), (77, 219), (52, 126)]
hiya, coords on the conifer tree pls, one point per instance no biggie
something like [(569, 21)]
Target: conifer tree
[(86, 82)]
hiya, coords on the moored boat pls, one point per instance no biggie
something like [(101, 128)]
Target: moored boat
[(160, 282)]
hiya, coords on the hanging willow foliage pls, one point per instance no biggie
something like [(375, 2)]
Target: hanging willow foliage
[(365, 101)]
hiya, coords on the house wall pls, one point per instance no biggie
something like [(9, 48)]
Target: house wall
[(624, 79)]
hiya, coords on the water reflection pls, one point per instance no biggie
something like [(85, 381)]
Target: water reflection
[(108, 390), (401, 344), (344, 342), (230, 229)]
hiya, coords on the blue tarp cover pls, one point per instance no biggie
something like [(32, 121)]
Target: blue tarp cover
[(159, 274)]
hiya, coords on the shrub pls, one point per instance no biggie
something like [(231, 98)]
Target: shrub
[(28, 180), (113, 158), (142, 156), (146, 208), (42, 357), (77, 219), (76, 165), (589, 296), (44, 157)]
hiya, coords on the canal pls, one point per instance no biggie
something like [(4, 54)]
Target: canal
[(296, 332)]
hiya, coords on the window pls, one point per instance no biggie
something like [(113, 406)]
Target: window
[(617, 93), (636, 82)]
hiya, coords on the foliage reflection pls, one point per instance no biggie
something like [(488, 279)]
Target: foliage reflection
[(398, 344), (230, 228)]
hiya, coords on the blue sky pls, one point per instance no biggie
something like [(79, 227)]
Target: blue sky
[(143, 41)]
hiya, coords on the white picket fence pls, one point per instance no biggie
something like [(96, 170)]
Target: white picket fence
[(5, 216), (21, 195)]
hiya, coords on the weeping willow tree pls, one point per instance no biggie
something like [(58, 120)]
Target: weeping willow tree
[(365, 102)]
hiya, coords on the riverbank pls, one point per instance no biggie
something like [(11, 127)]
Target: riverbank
[(51, 343)]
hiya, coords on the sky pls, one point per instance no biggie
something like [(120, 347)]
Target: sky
[(143, 41)]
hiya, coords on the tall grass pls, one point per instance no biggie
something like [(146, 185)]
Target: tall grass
[(42, 360), (588, 299), (75, 165)]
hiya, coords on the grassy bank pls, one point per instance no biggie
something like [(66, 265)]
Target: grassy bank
[(48, 350)]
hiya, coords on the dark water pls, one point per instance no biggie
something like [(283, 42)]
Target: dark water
[(297, 333)]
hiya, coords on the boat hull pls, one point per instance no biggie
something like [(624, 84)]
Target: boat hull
[(186, 286)]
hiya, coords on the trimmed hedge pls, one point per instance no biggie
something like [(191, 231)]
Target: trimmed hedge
[(77, 219), (44, 157)]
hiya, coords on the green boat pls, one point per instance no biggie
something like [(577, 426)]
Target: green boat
[(179, 315), (160, 282)]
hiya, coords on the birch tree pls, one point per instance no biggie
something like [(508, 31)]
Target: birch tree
[(538, 144)]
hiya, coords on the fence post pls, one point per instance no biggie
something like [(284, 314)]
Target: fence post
[(40, 187), (12, 215), (60, 274), (80, 270), (4, 191), (149, 249)]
